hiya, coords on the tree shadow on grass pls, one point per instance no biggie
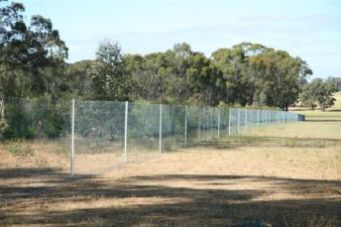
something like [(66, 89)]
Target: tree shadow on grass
[(210, 203), (267, 141)]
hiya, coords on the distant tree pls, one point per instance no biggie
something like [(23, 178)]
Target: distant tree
[(336, 81), (309, 95), (281, 77), (176, 76), (325, 95), (255, 72), (233, 64), (109, 80), (318, 93), (206, 82), (78, 79)]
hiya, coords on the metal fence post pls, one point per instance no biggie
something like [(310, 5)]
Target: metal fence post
[(199, 123), (238, 120), (218, 123), (160, 130), (72, 138), (258, 118), (204, 119), (246, 113), (186, 125), (125, 130), (229, 121)]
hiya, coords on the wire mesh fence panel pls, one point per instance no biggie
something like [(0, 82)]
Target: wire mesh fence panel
[(194, 124), (233, 121), (99, 134), (173, 127), (38, 125), (209, 131), (241, 120), (253, 119), (143, 131), (224, 126)]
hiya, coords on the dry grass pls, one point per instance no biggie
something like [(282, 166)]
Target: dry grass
[(303, 130), (285, 175), (37, 154), (332, 114)]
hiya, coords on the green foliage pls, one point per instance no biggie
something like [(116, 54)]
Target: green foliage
[(110, 82), (177, 76), (32, 66), (318, 93), (20, 148), (77, 80), (254, 72), (40, 117), (336, 81), (26, 53)]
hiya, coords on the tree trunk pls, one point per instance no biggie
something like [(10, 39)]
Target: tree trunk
[(2, 117)]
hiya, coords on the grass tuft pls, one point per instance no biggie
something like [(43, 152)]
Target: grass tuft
[(20, 148)]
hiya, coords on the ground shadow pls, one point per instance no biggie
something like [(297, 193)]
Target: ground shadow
[(236, 141), (188, 206)]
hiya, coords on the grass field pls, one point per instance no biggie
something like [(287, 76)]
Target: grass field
[(284, 175), (330, 115)]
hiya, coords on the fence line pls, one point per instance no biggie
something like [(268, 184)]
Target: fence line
[(98, 134), (179, 126)]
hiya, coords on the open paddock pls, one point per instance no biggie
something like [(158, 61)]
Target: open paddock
[(284, 175)]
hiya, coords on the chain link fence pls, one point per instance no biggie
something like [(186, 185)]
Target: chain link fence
[(101, 135)]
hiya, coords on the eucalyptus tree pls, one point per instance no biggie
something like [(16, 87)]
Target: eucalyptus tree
[(26, 51), (109, 79)]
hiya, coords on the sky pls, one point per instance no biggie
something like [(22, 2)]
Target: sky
[(310, 29)]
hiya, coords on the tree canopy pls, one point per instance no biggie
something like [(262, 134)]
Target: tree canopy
[(319, 93), (33, 64), (31, 55)]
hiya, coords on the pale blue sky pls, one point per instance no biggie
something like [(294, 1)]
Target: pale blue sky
[(310, 29)]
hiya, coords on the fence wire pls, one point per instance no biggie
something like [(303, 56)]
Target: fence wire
[(99, 135)]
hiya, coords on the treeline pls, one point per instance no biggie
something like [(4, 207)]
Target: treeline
[(33, 66), (319, 93), (246, 74)]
